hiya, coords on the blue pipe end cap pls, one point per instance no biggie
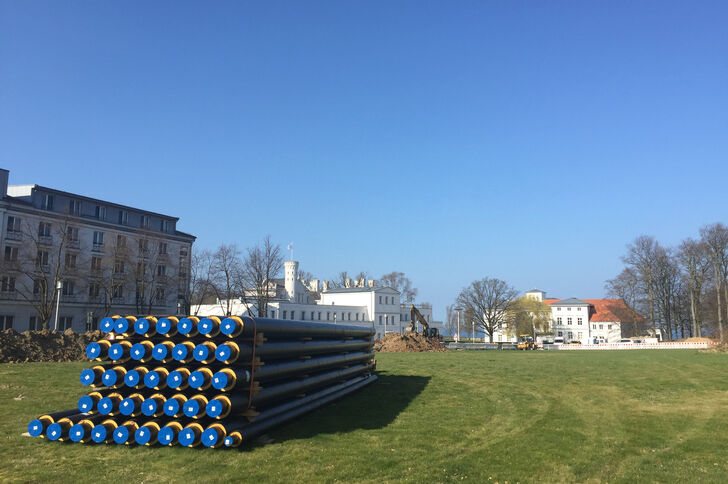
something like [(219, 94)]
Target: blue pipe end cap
[(35, 428), (196, 379), (191, 408), (149, 407), (121, 325), (126, 407), (54, 431), (151, 379), (201, 352), (121, 435), (223, 352), (171, 407), (185, 326), (107, 325), (166, 435), (105, 406), (214, 409), (137, 351), (93, 350), (141, 326), (116, 351), (143, 435), (98, 434), (187, 437), (109, 378), (219, 380), (88, 376), (175, 379), (227, 326), (205, 326), (85, 404), (164, 325), (77, 433), (179, 352), (228, 441), (159, 352), (209, 438), (132, 378)]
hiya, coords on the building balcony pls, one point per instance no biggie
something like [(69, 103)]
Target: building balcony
[(97, 248), (45, 239), (74, 244), (14, 235), (8, 295)]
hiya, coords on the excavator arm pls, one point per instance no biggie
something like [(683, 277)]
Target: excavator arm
[(416, 316)]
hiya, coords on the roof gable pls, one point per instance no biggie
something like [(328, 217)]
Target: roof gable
[(612, 311)]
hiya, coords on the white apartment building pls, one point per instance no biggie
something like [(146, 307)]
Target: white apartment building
[(363, 304), (107, 258), (589, 321)]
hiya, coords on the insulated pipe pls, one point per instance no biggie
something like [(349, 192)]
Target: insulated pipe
[(283, 328), (231, 326), (173, 405), (230, 351), (153, 406), (118, 352), (195, 406), (168, 434), (235, 438), (135, 378), (109, 405), (59, 430), (226, 379), (124, 433), (114, 377), (87, 403), (98, 350), (188, 326), (146, 326), (81, 432), (182, 352), (92, 376), (167, 326), (142, 351), (178, 379), (191, 435), (157, 378), (163, 351), (131, 406), (104, 432), (209, 326), (205, 352), (200, 379), (147, 433), (124, 325), (38, 426)]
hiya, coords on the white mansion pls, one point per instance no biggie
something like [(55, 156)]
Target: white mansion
[(586, 320), (100, 257), (361, 303)]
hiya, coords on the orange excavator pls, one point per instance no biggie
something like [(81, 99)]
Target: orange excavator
[(415, 316)]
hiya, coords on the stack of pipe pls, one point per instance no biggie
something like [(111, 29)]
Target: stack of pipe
[(211, 381)]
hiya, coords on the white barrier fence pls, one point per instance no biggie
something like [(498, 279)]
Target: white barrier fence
[(633, 346)]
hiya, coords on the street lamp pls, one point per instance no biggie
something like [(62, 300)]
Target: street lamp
[(457, 336), (59, 286)]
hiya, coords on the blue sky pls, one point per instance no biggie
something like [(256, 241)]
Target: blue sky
[(529, 141)]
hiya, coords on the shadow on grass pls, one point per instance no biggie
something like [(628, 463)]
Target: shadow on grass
[(373, 407)]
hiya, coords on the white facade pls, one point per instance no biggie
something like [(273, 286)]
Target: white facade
[(363, 305), (109, 258)]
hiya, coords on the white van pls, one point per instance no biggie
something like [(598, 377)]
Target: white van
[(559, 340)]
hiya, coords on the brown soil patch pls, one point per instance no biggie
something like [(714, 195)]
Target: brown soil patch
[(407, 343), (44, 345), (697, 340)]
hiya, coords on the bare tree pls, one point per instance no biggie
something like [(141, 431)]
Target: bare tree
[(488, 301), (226, 276), (695, 260), (715, 238), (451, 322), (400, 282), (201, 279), (641, 258), (628, 287), (261, 265)]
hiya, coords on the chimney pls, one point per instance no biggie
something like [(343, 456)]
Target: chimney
[(360, 282), (4, 176), (347, 282), (326, 286), (371, 282), (314, 285)]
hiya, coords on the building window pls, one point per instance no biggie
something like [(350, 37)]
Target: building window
[(98, 239), (312, 315), (609, 326), (65, 322), (568, 321), (100, 212), (14, 224), (33, 323), (117, 291), (92, 323), (165, 226), (380, 318), (6, 322), (578, 321), (7, 284), (571, 335), (558, 309), (293, 314), (95, 263), (159, 295), (183, 251), (285, 313), (118, 266), (94, 289), (71, 261), (161, 270), (73, 234), (41, 259), (11, 254), (39, 286), (328, 316), (561, 333), (319, 315), (44, 229), (162, 248), (74, 207), (143, 245), (601, 326), (123, 217), (568, 309), (68, 288), (47, 202), (144, 222), (120, 241), (594, 326)]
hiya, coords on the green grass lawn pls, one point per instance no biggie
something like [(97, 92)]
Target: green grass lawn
[(432, 417)]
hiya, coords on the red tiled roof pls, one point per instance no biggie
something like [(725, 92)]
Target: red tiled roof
[(611, 310)]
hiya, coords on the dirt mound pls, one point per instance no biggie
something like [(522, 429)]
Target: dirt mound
[(44, 345), (407, 343), (697, 340)]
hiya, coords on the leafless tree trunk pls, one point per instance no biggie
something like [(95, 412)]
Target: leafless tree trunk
[(227, 268), (262, 264), (716, 238), (488, 301), (694, 258), (201, 275)]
